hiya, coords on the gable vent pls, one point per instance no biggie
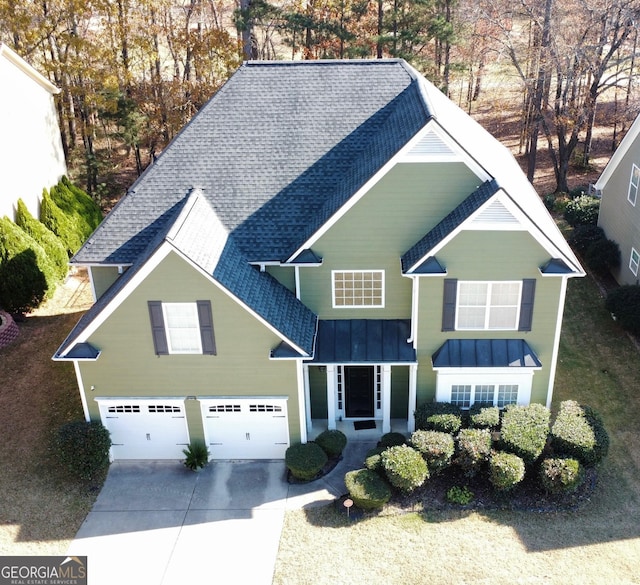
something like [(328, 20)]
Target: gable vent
[(495, 213), (431, 145)]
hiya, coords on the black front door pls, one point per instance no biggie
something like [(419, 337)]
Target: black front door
[(358, 391)]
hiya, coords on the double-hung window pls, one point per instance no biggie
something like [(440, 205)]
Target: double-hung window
[(634, 182), (488, 305), (358, 288), (182, 328), (634, 261)]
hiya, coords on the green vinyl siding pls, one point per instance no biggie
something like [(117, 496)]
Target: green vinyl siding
[(129, 367), (102, 277), (489, 256), (286, 276), (387, 221)]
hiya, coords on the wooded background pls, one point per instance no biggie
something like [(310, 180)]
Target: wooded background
[(133, 72)]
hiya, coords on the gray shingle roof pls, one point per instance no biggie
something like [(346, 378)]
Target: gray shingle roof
[(448, 225), (276, 152)]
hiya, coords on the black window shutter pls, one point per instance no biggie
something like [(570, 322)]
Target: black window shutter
[(449, 304), (526, 304), (157, 328), (206, 328)]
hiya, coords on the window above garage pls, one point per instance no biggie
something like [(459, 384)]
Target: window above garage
[(182, 328)]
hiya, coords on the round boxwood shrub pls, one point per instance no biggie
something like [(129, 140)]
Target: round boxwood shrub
[(439, 416), (585, 235), (373, 459), (484, 417), (473, 449), (305, 460), (505, 470), (561, 475), (332, 442), (404, 467), (624, 304), (367, 489), (437, 448), (83, 448), (525, 430), (603, 256), (391, 440), (579, 432), (582, 210)]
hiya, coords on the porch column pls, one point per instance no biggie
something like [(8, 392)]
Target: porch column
[(307, 396), (303, 399), (413, 382), (386, 398), (331, 397)]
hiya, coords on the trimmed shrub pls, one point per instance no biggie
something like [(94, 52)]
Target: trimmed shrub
[(436, 448), (524, 430), (50, 243), (367, 489), (624, 304), (439, 416), (561, 475), (484, 417), (391, 440), (404, 467), (602, 256), (84, 203), (460, 495), (585, 235), (77, 206), (62, 226), (505, 470), (332, 442), (26, 274), (578, 431), (473, 449), (83, 448), (373, 459), (305, 460), (582, 210)]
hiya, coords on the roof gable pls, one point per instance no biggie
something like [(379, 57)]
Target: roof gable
[(625, 145)]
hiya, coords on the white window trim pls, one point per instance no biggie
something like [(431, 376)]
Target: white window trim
[(490, 284), (194, 309), (633, 264), (448, 377), (633, 187), (333, 289)]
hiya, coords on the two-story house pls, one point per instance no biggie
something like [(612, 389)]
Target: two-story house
[(30, 145), (619, 215), (325, 242)]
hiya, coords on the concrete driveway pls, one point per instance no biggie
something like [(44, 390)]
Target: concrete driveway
[(157, 523)]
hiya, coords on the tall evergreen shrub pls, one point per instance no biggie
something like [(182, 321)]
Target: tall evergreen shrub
[(60, 224)]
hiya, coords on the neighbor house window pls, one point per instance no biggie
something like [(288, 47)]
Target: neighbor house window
[(358, 288), (179, 328), (633, 185), (634, 261), (488, 305)]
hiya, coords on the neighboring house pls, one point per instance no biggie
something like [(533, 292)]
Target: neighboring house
[(31, 151), (324, 242), (620, 205)]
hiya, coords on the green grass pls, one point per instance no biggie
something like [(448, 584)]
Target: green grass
[(600, 543)]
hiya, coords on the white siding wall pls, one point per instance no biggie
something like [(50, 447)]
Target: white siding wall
[(31, 155)]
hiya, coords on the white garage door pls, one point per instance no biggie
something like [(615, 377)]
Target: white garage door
[(146, 429), (246, 428)]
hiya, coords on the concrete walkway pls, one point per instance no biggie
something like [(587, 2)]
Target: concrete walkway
[(157, 523)]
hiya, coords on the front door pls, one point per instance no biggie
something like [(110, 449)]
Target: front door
[(359, 391)]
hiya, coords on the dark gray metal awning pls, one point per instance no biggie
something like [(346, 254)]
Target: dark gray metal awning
[(485, 353), (364, 341)]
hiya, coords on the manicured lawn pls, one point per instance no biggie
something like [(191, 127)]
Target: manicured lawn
[(600, 543)]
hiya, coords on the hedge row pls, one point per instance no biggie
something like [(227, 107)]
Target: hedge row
[(525, 443), (34, 254)]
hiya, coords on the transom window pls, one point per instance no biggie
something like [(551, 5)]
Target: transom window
[(634, 261), (182, 327), (634, 182), (465, 395), (488, 305), (358, 288)]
